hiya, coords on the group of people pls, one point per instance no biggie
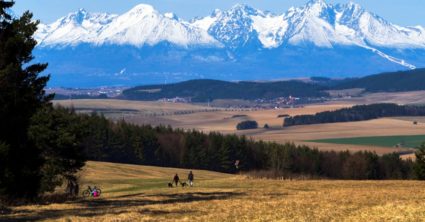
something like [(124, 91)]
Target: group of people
[(190, 178)]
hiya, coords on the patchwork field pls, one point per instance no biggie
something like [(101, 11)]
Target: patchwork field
[(139, 193), (225, 121)]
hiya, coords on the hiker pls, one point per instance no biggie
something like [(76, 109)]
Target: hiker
[(190, 178), (72, 187), (176, 179)]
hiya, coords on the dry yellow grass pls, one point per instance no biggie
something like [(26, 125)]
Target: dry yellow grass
[(222, 197)]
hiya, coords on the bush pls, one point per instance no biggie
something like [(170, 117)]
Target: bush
[(283, 116), (245, 125)]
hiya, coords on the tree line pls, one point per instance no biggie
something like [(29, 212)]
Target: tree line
[(205, 90), (356, 113)]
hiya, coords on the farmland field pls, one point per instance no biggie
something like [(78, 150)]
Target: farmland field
[(384, 141), (140, 193), (208, 119)]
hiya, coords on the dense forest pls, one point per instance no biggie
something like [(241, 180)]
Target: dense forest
[(208, 90), (123, 142), (388, 82), (356, 113)]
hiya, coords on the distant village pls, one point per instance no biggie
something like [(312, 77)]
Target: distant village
[(116, 92)]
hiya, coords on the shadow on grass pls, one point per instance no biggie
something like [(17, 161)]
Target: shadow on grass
[(120, 205)]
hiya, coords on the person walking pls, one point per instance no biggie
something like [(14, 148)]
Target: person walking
[(190, 177), (176, 179)]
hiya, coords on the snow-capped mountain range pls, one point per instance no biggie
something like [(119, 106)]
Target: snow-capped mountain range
[(238, 44)]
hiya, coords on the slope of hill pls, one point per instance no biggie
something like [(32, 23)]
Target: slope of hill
[(144, 46), (208, 90), (140, 193), (402, 81)]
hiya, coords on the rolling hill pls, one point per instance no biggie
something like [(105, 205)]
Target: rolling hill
[(208, 90), (203, 90), (401, 81), (139, 193)]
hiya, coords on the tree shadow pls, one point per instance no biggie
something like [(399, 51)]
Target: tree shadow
[(120, 205)]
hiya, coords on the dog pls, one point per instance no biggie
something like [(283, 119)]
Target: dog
[(170, 185), (184, 184)]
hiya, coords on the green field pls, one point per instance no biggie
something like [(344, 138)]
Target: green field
[(412, 141)]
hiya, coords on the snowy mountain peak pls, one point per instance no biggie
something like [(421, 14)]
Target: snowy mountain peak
[(234, 28), (82, 11), (142, 9), (354, 5), (317, 22), (217, 12), (243, 10), (171, 15), (77, 17), (316, 2), (318, 38), (316, 8)]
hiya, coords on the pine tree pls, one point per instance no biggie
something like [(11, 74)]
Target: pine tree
[(21, 95), (419, 166), (59, 133)]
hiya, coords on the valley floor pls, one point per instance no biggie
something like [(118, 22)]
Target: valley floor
[(140, 193), (207, 119)]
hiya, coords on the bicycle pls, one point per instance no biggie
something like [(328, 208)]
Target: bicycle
[(95, 192)]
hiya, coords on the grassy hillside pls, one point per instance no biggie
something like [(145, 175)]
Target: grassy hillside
[(139, 193), (208, 90), (388, 82)]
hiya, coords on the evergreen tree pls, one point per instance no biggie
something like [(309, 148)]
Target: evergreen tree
[(59, 133), (420, 163), (21, 95)]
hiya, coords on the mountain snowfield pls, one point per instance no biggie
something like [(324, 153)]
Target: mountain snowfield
[(242, 43)]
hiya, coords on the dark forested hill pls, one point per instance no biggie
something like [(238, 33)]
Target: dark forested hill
[(356, 113), (207, 90), (388, 82)]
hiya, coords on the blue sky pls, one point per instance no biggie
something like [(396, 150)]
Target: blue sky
[(402, 12)]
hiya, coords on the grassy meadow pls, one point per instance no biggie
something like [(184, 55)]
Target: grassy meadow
[(140, 193), (412, 141)]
